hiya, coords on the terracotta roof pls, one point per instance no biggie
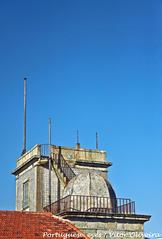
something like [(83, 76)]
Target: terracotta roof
[(36, 225)]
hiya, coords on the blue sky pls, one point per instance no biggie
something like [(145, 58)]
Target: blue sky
[(92, 66)]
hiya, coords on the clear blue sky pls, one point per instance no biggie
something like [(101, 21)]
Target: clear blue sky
[(92, 66)]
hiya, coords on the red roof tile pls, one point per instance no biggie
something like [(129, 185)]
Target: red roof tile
[(36, 225)]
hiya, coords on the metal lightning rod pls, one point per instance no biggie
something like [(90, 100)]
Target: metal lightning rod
[(77, 136), (78, 141), (24, 136), (49, 139), (97, 140)]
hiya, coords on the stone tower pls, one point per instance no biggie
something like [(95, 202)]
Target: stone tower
[(76, 188)]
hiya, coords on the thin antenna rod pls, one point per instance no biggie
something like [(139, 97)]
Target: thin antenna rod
[(97, 140), (77, 136), (49, 139), (24, 139), (49, 131), (78, 141)]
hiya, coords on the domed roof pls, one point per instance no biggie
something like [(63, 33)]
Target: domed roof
[(89, 184)]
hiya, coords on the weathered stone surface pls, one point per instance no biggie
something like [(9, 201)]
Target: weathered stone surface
[(111, 230), (88, 184), (28, 175), (38, 177)]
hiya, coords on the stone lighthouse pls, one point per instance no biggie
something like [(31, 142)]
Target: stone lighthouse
[(73, 184)]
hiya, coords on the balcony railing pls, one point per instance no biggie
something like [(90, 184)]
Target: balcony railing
[(64, 167), (92, 204), (58, 159), (45, 149)]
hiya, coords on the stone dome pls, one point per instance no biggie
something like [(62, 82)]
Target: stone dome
[(89, 184)]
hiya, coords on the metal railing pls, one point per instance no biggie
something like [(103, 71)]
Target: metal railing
[(45, 150), (92, 204), (64, 167), (58, 158)]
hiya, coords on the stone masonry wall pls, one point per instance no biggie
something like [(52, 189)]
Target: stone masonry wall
[(111, 230), (44, 193), (38, 177), (28, 174)]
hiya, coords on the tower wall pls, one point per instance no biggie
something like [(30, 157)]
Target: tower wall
[(29, 175), (38, 178), (86, 160), (109, 230), (43, 187), (113, 227)]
